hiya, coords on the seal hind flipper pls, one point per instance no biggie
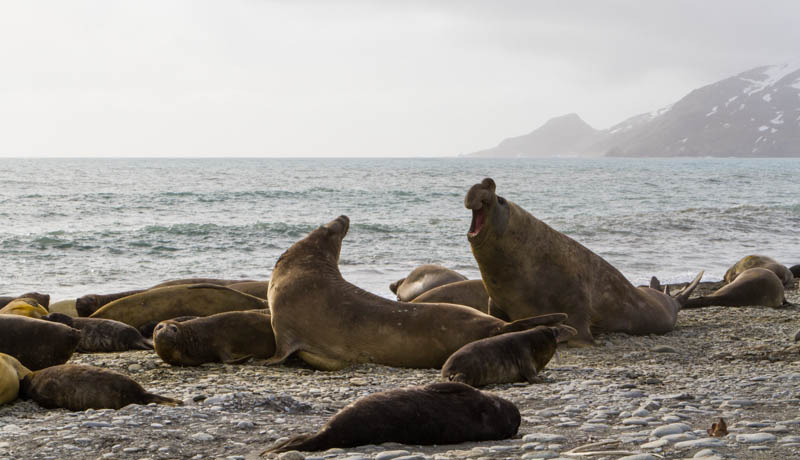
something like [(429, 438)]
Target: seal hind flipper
[(529, 323), (655, 283), (306, 442), (158, 399), (145, 344), (683, 295)]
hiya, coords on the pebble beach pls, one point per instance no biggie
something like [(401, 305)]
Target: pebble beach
[(646, 397)]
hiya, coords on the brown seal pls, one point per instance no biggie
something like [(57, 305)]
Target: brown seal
[(755, 261), (90, 303), (11, 372), (169, 302), (439, 413), (424, 278), (468, 292), (332, 323), (77, 388), (37, 343), (507, 358), (43, 299), (529, 269), (752, 287), (24, 307), (795, 269), (254, 288), (103, 335), (229, 337)]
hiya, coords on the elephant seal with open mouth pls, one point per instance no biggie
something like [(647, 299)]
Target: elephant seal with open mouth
[(530, 269)]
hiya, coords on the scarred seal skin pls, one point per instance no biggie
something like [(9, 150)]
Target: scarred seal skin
[(37, 343), (422, 279), (103, 335), (785, 275), (11, 372), (507, 358), (530, 269), (439, 413), (225, 337), (331, 323), (468, 292), (160, 304), (752, 287), (77, 388)]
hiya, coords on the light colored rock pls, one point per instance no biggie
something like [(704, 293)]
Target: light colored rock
[(755, 438)]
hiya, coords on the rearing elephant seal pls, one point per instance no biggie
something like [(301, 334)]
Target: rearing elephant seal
[(77, 387), (424, 278), (752, 287), (439, 413), (529, 269), (332, 323), (507, 358), (11, 372), (225, 337), (755, 261)]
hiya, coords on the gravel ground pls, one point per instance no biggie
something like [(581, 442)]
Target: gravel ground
[(654, 395)]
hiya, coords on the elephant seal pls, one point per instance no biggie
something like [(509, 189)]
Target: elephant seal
[(11, 372), (165, 303), (24, 307), (103, 335), (43, 299), (424, 278), (507, 358), (37, 343), (254, 288), (331, 323), (529, 268), (468, 292), (755, 261), (229, 337), (439, 413), (90, 303), (78, 387), (752, 287), (66, 307), (795, 269)]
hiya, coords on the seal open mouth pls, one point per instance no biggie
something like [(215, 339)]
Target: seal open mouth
[(478, 219)]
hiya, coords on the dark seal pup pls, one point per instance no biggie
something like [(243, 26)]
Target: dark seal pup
[(530, 269), (439, 413), (424, 278), (225, 337), (37, 343), (331, 323), (103, 335), (752, 287), (77, 388), (507, 358), (755, 261)]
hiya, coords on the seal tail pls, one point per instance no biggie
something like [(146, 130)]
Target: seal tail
[(304, 442), (154, 398), (683, 295)]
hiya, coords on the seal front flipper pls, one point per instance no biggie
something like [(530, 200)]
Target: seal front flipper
[(232, 358), (530, 375)]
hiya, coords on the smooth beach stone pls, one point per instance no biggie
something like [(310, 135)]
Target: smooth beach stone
[(755, 438), (543, 437), (390, 454), (203, 437), (655, 444), (411, 457), (635, 421), (777, 429), (542, 454), (787, 439), (638, 457), (291, 455), (703, 442), (672, 428)]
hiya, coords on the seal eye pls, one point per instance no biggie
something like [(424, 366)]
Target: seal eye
[(173, 328), (160, 326)]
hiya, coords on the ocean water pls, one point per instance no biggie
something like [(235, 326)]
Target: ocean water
[(78, 226)]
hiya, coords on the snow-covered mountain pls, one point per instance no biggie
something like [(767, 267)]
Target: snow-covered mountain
[(755, 113)]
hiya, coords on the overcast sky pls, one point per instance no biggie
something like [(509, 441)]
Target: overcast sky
[(355, 78)]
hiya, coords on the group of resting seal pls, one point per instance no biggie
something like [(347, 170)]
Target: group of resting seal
[(538, 288)]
